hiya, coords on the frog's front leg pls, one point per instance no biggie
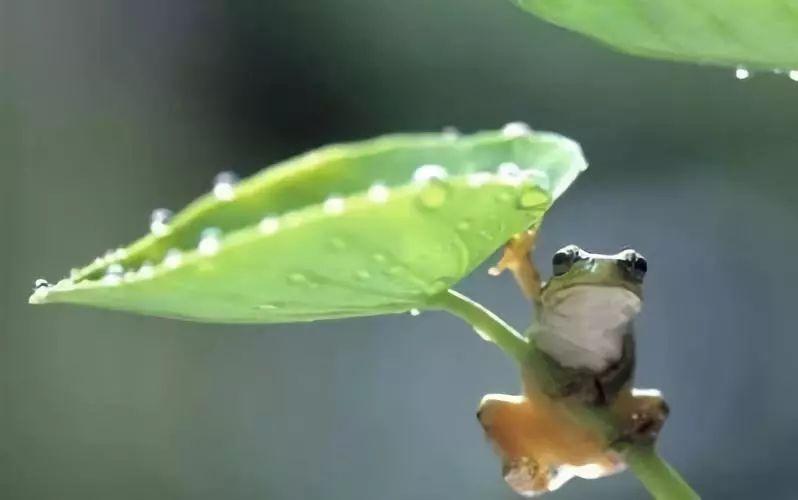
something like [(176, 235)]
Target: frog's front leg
[(517, 258)]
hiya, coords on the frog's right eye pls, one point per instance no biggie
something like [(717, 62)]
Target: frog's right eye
[(564, 258)]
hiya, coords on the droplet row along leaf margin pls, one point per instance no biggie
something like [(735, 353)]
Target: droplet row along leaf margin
[(365, 228)]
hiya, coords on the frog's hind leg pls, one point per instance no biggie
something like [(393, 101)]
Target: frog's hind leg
[(517, 258), (540, 447), (506, 421)]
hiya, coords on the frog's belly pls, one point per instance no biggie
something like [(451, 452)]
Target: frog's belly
[(584, 325)]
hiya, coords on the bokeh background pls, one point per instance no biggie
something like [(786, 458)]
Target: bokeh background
[(109, 109)]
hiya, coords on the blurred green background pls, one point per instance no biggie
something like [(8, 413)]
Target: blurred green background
[(109, 109)]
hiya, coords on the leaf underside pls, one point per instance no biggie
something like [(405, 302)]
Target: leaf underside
[(759, 34), (391, 236)]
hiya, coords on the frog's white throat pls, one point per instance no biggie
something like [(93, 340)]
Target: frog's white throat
[(582, 326)]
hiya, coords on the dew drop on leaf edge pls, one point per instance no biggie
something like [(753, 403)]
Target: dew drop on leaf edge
[(159, 221), (224, 185)]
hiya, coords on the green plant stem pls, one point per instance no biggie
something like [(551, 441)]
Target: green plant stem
[(487, 324), (659, 478)]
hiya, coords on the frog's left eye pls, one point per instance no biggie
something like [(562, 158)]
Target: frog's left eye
[(564, 258), (635, 264)]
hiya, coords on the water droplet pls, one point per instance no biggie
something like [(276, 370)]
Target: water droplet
[(173, 259), (539, 178), (433, 194), (463, 225), (268, 307), (426, 173), (113, 274), (514, 130), (41, 289), (147, 270), (741, 73), (362, 274), (111, 279), (532, 197), (414, 312), (793, 75), (224, 185), (434, 191), (378, 193), (483, 335), (297, 279), (159, 221), (477, 179), (451, 133), (269, 225), (115, 269), (41, 283), (510, 173), (334, 205), (210, 241), (379, 258), (120, 254)]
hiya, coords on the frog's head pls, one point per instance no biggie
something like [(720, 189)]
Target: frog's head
[(588, 304), (573, 267)]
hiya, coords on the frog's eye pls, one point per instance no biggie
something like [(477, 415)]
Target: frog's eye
[(564, 258), (634, 264)]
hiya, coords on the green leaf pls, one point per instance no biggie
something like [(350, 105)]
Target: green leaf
[(358, 229), (750, 33)]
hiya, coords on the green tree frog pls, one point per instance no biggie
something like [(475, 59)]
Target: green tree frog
[(583, 336)]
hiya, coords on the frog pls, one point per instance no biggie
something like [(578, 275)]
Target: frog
[(582, 354)]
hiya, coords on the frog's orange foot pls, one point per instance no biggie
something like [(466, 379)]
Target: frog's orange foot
[(529, 478), (517, 259)]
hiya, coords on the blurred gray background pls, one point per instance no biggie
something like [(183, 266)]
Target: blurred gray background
[(109, 109)]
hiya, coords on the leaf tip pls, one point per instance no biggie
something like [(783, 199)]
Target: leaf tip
[(39, 296)]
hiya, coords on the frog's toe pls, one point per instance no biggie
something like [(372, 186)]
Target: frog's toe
[(530, 478)]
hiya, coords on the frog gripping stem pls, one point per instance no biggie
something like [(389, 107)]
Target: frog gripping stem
[(578, 415)]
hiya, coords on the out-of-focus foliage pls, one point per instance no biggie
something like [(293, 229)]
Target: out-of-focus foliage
[(753, 33)]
